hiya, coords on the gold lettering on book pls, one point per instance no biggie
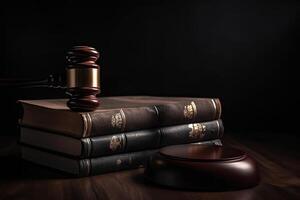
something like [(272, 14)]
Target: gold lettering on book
[(118, 120), (116, 142), (197, 130), (190, 111)]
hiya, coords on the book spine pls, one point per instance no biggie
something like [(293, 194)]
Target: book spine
[(189, 133), (131, 119), (100, 165), (113, 163), (151, 139), (120, 120), (198, 110)]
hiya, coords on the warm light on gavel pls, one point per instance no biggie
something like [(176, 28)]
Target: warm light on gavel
[(83, 78)]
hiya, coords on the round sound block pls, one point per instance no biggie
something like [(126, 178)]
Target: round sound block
[(208, 167)]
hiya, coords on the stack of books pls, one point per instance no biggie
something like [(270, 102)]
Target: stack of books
[(121, 134)]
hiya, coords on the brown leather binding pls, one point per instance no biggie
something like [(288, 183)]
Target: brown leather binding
[(117, 114)]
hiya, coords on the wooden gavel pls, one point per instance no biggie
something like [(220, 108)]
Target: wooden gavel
[(82, 80)]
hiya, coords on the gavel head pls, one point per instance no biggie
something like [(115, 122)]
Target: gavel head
[(83, 78)]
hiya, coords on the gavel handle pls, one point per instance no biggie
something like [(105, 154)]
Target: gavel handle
[(53, 81)]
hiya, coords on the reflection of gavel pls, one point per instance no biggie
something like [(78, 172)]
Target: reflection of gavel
[(82, 79)]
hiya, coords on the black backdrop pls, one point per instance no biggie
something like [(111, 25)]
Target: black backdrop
[(243, 52)]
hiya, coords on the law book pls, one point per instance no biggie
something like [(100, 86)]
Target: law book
[(92, 166), (118, 114), (123, 142)]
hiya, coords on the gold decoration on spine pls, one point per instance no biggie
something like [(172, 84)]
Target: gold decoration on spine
[(156, 110), (217, 108), (124, 119), (190, 111), (85, 167), (119, 162), (87, 147), (118, 120), (218, 125), (87, 124), (116, 143), (197, 130)]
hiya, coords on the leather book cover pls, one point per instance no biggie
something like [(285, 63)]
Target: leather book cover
[(123, 142), (88, 166), (118, 114), (92, 166)]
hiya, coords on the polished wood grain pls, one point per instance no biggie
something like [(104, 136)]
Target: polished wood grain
[(219, 168), (276, 154), (194, 152)]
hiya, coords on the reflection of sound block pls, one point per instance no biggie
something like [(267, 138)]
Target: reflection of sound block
[(208, 167)]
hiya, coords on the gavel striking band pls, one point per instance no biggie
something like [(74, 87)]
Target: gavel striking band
[(78, 77)]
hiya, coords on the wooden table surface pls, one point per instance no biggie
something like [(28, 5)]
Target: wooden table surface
[(276, 154)]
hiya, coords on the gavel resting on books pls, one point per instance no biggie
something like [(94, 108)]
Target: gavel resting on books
[(81, 81), (184, 127)]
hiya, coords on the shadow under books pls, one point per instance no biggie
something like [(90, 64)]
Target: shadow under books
[(17, 169)]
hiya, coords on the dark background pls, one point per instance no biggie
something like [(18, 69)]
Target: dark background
[(243, 52)]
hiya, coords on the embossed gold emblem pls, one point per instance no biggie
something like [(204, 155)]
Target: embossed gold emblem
[(118, 120), (197, 130), (190, 110), (116, 142), (119, 162)]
